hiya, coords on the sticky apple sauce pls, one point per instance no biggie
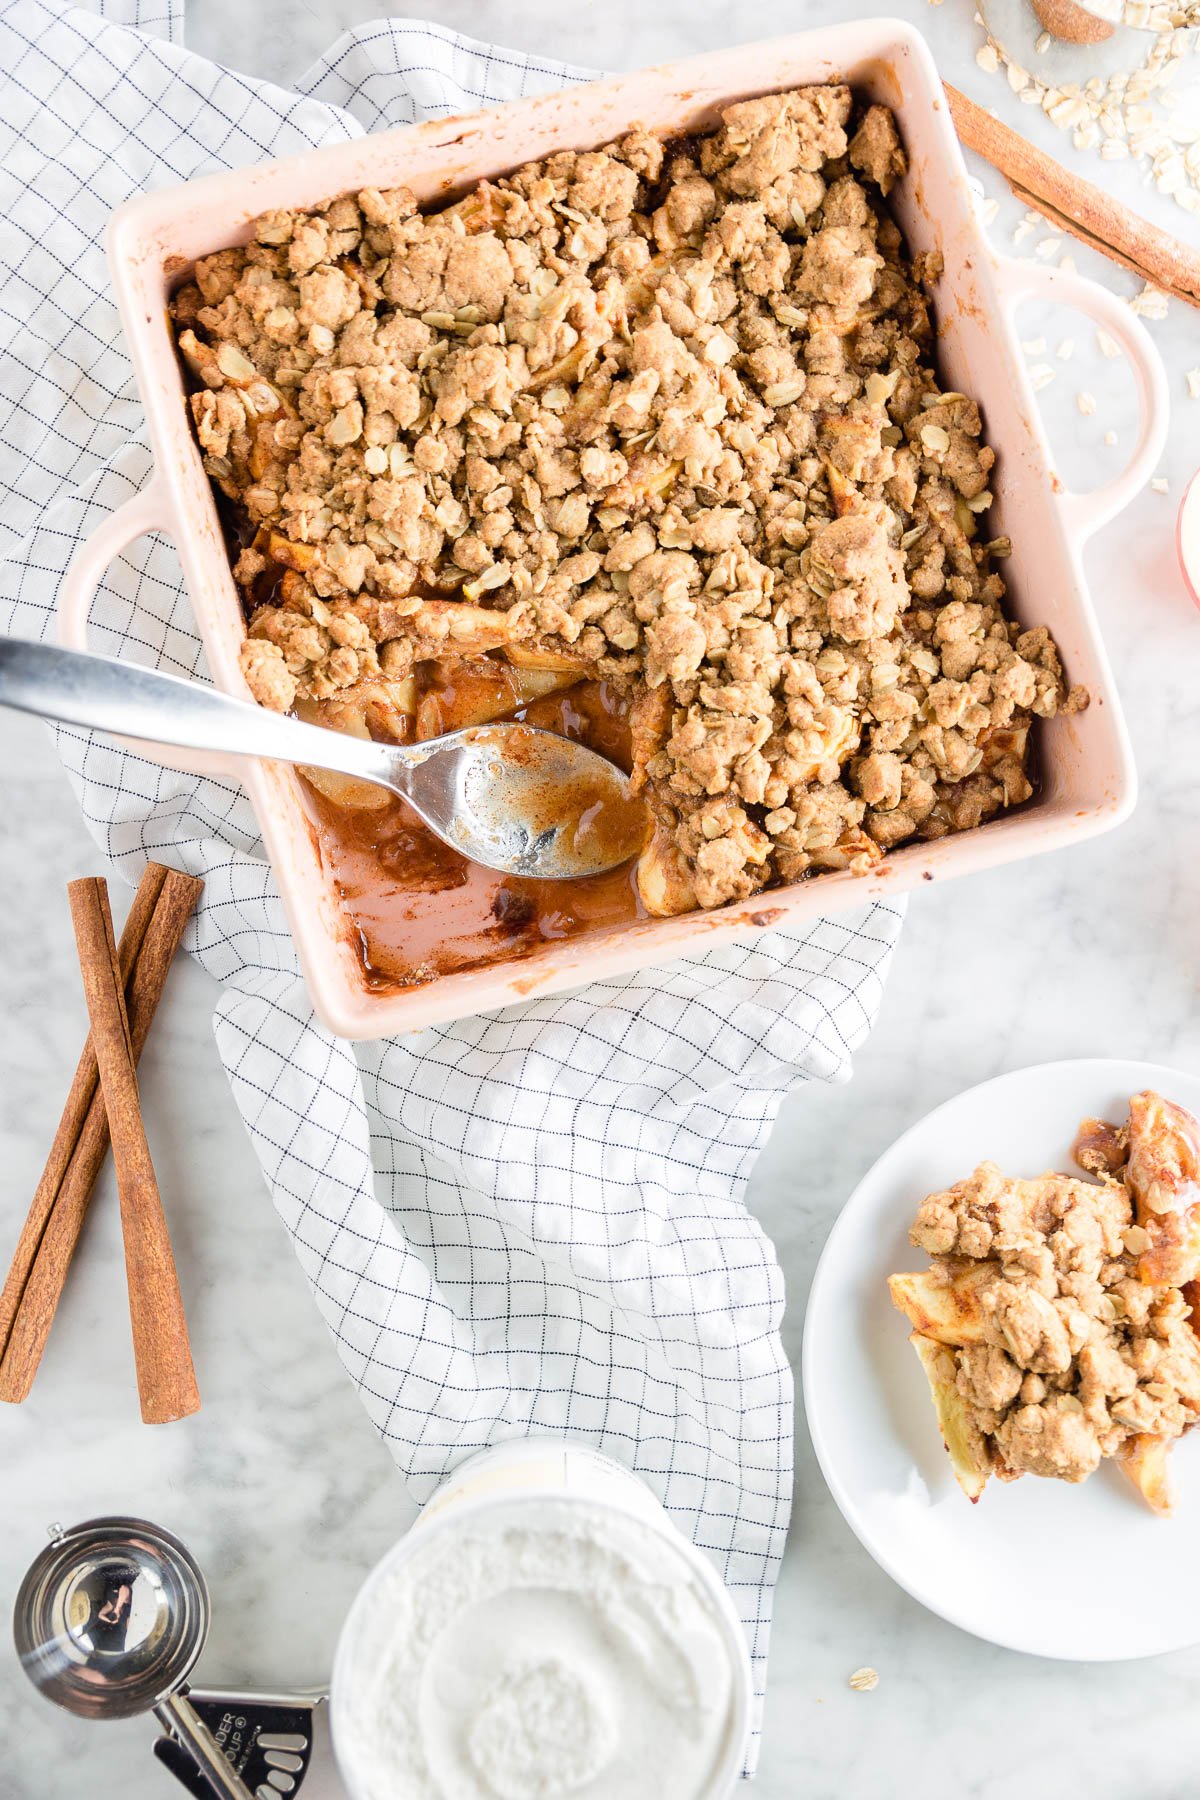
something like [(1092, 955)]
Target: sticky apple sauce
[(419, 908)]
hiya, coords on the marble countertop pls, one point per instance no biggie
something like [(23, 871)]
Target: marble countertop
[(279, 1485)]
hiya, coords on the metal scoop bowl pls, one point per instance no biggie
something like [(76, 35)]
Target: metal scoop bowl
[(109, 1622), (509, 796)]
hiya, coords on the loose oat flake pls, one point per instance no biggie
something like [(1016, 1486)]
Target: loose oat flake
[(864, 1680), (1151, 303)]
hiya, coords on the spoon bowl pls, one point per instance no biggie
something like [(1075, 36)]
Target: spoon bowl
[(111, 1618), (109, 1622), (509, 796), (527, 802)]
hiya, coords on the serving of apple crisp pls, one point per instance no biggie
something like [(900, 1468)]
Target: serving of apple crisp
[(662, 416), (1056, 1322)]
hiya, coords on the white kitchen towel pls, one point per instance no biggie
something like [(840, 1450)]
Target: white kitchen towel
[(531, 1222)]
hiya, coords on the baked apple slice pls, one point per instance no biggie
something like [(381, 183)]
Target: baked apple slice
[(965, 1444), (375, 708), (1163, 1177), (1144, 1460), (948, 1311)]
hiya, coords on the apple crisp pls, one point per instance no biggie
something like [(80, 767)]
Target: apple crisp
[(661, 414), (1056, 1324)]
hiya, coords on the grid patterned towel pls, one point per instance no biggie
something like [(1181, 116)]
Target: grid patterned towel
[(531, 1222)]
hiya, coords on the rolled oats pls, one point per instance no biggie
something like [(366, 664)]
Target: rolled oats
[(1151, 303), (1123, 115)]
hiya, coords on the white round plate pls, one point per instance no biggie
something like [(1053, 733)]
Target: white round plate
[(1086, 1573)]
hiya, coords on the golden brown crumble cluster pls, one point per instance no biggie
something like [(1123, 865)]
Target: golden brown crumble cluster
[(1064, 1306), (666, 412)]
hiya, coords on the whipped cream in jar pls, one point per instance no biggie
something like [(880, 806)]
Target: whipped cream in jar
[(543, 1632)]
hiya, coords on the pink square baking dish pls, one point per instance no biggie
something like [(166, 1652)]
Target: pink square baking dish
[(1087, 778)]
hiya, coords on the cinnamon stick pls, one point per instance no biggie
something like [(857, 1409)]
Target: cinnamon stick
[(1075, 206), (46, 1277), (162, 1354), (74, 1114)]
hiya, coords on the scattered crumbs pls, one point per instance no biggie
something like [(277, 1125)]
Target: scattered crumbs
[(1043, 43), (987, 58), (1151, 303), (988, 210), (1108, 346), (1047, 248), (1023, 230), (1032, 218), (863, 1680), (1067, 263), (1193, 384), (1086, 403), (1040, 376), (1066, 350), (1034, 346), (1110, 438), (1160, 485)]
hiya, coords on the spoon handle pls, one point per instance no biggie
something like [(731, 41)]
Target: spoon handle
[(129, 701), (182, 1720)]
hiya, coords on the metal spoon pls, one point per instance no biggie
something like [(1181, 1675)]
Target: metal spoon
[(509, 796), (109, 1622)]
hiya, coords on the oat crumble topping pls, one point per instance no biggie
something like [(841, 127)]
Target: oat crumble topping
[(669, 415), (1055, 1323)]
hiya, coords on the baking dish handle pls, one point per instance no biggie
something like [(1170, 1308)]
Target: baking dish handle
[(1019, 281), (146, 512)]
